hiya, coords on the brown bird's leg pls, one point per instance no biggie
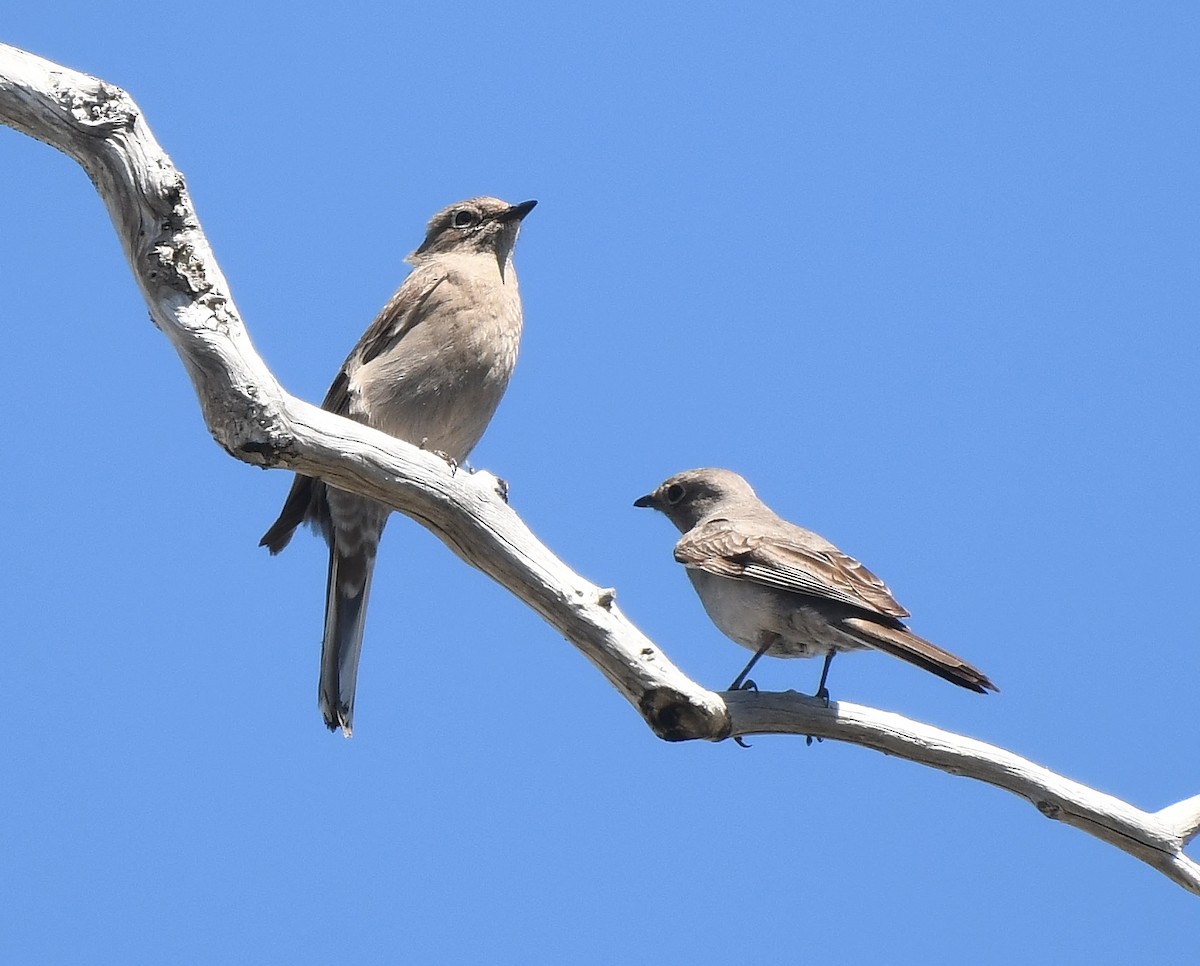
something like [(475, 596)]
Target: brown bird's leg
[(437, 452)]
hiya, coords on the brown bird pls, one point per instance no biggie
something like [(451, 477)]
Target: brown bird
[(431, 370), (778, 589)]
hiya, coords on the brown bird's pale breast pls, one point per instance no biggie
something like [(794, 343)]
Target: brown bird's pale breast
[(447, 405)]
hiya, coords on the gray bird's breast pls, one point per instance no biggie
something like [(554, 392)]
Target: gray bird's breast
[(749, 613)]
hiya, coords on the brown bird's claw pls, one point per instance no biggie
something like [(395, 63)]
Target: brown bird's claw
[(453, 463), (490, 480)]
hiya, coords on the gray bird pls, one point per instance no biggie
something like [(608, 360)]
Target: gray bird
[(779, 589), (430, 370)]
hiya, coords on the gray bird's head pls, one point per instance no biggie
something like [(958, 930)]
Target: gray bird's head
[(688, 497), (477, 225)]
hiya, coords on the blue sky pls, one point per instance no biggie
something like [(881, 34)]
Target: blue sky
[(925, 274)]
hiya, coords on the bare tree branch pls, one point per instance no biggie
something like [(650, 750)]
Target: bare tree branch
[(1157, 838), (251, 416)]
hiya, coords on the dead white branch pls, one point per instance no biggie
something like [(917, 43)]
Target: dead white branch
[(250, 415), (1157, 838)]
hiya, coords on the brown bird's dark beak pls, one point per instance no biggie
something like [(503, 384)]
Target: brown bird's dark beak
[(517, 212), (646, 501)]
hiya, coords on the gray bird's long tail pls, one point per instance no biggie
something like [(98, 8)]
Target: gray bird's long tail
[(345, 614), (904, 644)]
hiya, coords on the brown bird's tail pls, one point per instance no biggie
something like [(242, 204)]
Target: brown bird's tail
[(902, 643), (345, 614)]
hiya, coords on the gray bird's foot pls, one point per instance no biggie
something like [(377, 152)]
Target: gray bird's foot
[(743, 685), (821, 695), (502, 489), (740, 685)]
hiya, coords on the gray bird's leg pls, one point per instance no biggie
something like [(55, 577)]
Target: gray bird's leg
[(822, 691), (740, 681)]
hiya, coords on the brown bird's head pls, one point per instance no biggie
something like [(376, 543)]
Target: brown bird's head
[(688, 497), (477, 225)]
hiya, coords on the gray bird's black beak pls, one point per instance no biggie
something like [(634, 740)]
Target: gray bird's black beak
[(517, 212), (647, 500)]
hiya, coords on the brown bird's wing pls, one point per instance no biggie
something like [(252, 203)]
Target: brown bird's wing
[(295, 511), (401, 315), (403, 312), (787, 558)]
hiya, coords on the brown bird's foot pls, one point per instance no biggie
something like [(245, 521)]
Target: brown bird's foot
[(450, 460), (489, 481)]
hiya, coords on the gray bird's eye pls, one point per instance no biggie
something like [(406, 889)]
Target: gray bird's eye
[(675, 493), (464, 218)]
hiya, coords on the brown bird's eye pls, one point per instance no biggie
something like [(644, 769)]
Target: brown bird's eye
[(675, 493), (464, 218)]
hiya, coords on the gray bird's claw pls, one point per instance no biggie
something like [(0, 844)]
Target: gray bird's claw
[(741, 742)]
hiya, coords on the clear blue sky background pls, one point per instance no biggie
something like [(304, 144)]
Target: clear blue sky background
[(926, 274)]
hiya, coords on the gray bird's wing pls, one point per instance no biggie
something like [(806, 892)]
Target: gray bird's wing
[(787, 558)]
